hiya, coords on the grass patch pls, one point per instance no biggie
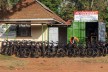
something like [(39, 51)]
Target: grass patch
[(10, 62), (4, 57), (16, 64), (92, 60)]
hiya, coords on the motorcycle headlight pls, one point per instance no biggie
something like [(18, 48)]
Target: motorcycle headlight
[(32, 44), (28, 44), (4, 43)]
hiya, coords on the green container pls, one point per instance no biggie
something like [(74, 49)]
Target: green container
[(77, 29)]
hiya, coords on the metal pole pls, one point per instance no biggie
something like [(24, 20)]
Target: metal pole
[(42, 41), (48, 34), (7, 31), (42, 32), (15, 32)]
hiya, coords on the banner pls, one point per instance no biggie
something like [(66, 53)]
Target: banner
[(101, 31), (86, 16)]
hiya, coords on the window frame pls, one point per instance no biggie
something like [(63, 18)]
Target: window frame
[(23, 27)]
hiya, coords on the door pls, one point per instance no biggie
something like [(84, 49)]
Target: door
[(63, 35), (77, 29), (101, 31), (82, 32), (53, 34)]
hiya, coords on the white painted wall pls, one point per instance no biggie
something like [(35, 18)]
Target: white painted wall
[(36, 34)]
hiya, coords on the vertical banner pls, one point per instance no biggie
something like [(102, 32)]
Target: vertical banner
[(101, 30)]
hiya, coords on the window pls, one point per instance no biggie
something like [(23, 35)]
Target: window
[(24, 30)]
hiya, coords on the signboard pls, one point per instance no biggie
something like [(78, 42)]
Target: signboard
[(7, 31), (86, 16)]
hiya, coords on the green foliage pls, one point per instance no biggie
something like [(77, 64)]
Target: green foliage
[(52, 4), (3, 4), (6, 4), (67, 8)]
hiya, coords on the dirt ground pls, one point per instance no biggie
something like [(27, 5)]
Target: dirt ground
[(66, 64)]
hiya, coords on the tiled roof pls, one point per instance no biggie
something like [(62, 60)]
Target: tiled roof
[(68, 22), (33, 9)]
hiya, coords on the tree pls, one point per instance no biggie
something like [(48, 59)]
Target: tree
[(67, 7), (93, 5), (52, 4), (65, 10), (5, 6)]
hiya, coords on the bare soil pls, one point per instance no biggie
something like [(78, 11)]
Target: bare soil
[(66, 64)]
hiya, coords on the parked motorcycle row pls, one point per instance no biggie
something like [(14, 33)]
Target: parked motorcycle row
[(28, 48)]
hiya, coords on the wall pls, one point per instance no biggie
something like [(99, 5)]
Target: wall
[(36, 34)]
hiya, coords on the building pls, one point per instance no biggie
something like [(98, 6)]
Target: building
[(87, 27), (32, 21)]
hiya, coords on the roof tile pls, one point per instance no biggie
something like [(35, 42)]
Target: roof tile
[(34, 10)]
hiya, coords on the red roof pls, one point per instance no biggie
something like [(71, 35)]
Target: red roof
[(68, 22), (33, 9)]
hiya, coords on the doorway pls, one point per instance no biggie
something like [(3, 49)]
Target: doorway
[(91, 32), (63, 35)]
